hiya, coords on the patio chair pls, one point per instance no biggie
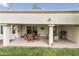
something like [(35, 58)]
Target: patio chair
[(37, 37), (30, 37)]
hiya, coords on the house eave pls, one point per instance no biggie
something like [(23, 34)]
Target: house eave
[(40, 11)]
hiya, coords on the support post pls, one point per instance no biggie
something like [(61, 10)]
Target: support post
[(51, 35), (17, 32), (6, 34)]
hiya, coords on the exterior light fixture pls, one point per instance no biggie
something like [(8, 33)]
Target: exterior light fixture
[(49, 19)]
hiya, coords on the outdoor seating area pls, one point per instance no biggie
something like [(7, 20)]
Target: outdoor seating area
[(31, 36)]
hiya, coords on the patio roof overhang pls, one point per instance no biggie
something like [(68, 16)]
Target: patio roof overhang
[(40, 11), (40, 16)]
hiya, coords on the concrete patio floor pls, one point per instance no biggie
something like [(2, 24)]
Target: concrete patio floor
[(43, 42), (64, 44)]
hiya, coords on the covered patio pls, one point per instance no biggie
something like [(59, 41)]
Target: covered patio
[(46, 23), (49, 36)]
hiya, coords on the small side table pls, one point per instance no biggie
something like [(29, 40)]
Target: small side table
[(56, 37)]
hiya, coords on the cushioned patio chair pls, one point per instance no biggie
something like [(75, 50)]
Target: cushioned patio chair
[(30, 37)]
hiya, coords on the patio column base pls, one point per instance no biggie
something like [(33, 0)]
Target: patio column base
[(6, 34), (51, 35)]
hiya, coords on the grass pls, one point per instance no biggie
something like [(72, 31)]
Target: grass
[(33, 51)]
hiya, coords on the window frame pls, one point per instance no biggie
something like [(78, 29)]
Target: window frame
[(1, 29), (13, 31)]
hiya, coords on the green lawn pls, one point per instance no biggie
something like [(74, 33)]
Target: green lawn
[(29, 51)]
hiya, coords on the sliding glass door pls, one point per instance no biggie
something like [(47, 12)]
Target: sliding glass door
[(32, 29)]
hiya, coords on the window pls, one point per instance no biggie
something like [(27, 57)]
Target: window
[(13, 29), (1, 29)]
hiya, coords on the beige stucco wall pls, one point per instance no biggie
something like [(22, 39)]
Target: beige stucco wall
[(40, 18), (43, 32), (71, 33)]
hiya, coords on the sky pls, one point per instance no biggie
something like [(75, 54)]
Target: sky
[(41, 5)]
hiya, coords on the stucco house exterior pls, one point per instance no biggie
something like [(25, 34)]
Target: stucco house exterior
[(47, 23)]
